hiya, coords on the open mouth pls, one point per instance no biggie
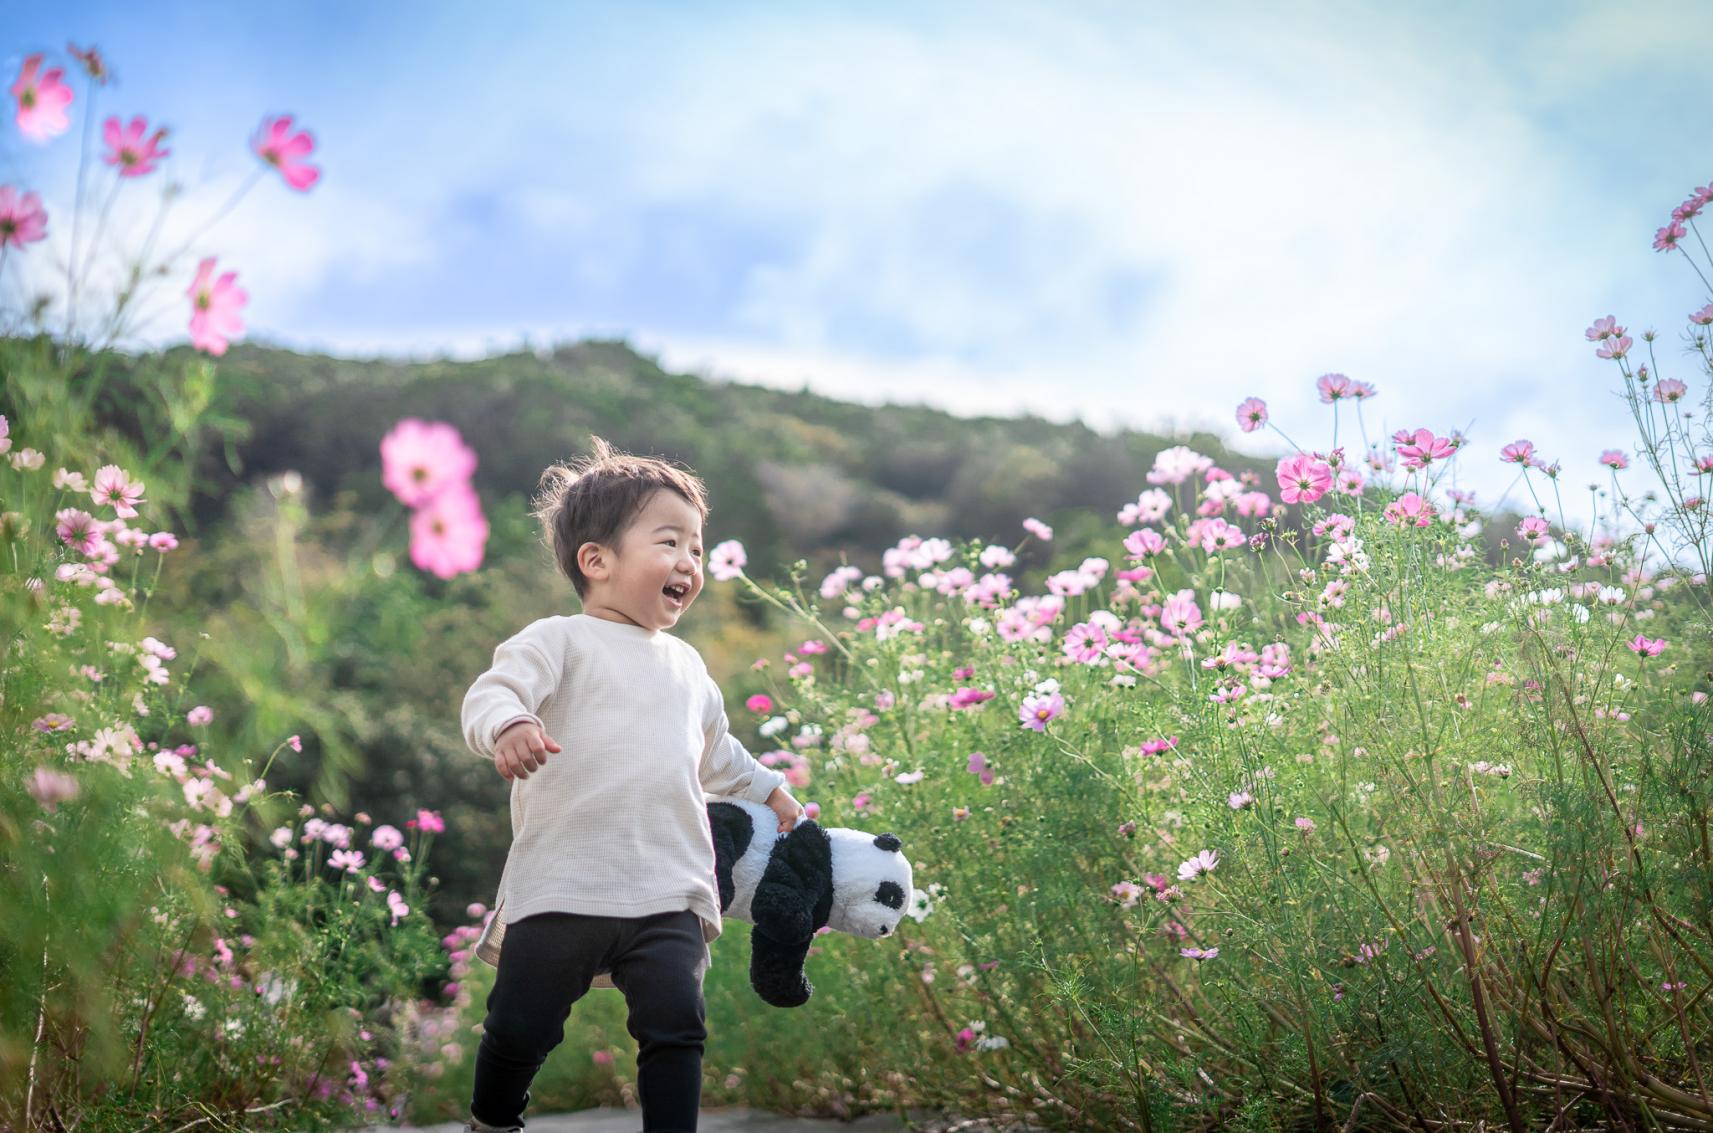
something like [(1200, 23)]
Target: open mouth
[(677, 593)]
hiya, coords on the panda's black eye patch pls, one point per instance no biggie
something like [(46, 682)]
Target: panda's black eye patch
[(890, 894)]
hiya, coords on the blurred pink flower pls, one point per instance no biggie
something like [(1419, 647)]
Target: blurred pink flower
[(42, 99), (275, 144), (1361, 391), (449, 533), (78, 530), (1410, 508), (1303, 479), (214, 306), (726, 561), (349, 861), (1179, 614), (1422, 448), (1518, 452), (295, 742), (1332, 387), (1204, 862), (1665, 240), (1603, 329), (978, 767), (429, 822), (760, 702), (1647, 647), (1703, 317), (1199, 954), (1038, 529), (420, 459), (22, 218), (198, 716), (114, 486), (1126, 893), (1534, 529), (128, 150), (386, 839), (1144, 543), (1251, 414), (1615, 460), (396, 906), (1670, 390), (51, 788), (1615, 347)]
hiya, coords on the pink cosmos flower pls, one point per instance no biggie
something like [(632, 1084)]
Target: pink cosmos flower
[(1144, 543), (1218, 535), (128, 150), (1534, 529), (1349, 482), (1303, 479), (198, 716), (1036, 712), (1615, 347), (420, 459), (1703, 465), (1614, 460), (1038, 529), (449, 534), (760, 703), (1603, 329), (726, 561), (1199, 954), (1332, 387), (275, 144), (1647, 647), (113, 486), (1703, 317), (1422, 448), (1670, 390), (1204, 862), (214, 307), (429, 822), (1361, 391), (1179, 614), (1410, 508), (22, 218), (78, 530), (1251, 414), (979, 768), (386, 839), (42, 99), (1518, 452), (1665, 240)]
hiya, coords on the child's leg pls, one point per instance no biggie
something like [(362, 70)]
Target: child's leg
[(546, 965), (659, 969)]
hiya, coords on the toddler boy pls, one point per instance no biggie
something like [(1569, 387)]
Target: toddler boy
[(611, 732)]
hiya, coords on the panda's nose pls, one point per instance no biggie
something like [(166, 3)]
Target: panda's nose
[(884, 930)]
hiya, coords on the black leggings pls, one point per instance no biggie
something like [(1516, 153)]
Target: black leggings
[(546, 964)]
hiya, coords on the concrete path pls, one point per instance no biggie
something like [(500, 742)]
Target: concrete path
[(711, 1121)]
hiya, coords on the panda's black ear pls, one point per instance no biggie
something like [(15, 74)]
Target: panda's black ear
[(888, 842)]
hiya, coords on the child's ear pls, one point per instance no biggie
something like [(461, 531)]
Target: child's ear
[(594, 560)]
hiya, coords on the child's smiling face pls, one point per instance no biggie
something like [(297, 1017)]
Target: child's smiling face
[(654, 573)]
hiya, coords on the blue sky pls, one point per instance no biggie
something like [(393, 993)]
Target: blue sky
[(1132, 214)]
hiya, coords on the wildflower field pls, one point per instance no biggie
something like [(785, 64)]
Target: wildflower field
[(1317, 800)]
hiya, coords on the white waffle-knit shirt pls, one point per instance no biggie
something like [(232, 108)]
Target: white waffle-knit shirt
[(615, 824)]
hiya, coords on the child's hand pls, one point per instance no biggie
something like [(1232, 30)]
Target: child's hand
[(787, 808), (521, 749)]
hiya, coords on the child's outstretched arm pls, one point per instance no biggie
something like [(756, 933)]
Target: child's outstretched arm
[(729, 769), (499, 714)]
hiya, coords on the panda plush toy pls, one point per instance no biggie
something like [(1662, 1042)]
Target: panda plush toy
[(789, 886)]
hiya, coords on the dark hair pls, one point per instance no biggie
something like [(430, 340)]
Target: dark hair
[(594, 499)]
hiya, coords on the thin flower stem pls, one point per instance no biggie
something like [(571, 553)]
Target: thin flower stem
[(219, 215), (1295, 447), (71, 280)]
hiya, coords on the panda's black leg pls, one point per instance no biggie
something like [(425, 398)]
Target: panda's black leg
[(776, 971)]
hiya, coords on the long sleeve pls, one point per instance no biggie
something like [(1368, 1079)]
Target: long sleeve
[(513, 689), (727, 766)]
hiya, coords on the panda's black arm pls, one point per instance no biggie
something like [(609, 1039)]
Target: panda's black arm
[(796, 886), (732, 831)]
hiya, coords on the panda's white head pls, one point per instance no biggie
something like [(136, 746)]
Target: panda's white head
[(871, 883)]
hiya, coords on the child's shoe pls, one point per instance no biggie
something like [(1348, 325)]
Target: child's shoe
[(474, 1126)]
